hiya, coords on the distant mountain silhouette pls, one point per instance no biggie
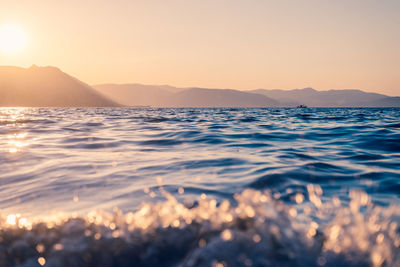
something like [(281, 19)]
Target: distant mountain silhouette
[(202, 97), (50, 87), (385, 102), (314, 98), (137, 94), (167, 96), (46, 87)]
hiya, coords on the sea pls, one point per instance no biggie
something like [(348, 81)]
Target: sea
[(116, 187)]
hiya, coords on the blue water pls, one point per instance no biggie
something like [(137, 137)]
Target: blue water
[(313, 166)]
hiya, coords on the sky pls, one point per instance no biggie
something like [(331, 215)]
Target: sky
[(240, 44)]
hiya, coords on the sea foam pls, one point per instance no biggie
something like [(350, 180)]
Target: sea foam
[(257, 229)]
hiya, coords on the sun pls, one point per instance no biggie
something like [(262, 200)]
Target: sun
[(12, 39)]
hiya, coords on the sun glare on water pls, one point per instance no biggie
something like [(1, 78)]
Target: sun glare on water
[(12, 39)]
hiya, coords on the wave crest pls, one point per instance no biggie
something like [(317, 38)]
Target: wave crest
[(256, 230)]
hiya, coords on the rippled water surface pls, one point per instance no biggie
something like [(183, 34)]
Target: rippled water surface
[(298, 169)]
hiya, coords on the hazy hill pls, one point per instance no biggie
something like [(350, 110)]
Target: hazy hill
[(314, 98), (167, 96), (50, 87), (137, 94), (46, 87), (385, 102), (201, 97)]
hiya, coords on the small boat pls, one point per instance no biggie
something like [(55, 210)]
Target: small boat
[(302, 106)]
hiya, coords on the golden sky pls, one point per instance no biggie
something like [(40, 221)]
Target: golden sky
[(241, 44)]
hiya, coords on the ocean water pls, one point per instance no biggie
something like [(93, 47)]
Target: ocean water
[(199, 187)]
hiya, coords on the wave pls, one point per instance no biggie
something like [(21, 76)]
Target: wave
[(24, 121), (257, 229)]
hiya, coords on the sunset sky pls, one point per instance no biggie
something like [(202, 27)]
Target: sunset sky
[(237, 44)]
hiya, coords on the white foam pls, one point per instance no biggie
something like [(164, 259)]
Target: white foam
[(256, 231)]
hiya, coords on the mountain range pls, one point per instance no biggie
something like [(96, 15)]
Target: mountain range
[(46, 87), (330, 98), (50, 87), (168, 96)]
